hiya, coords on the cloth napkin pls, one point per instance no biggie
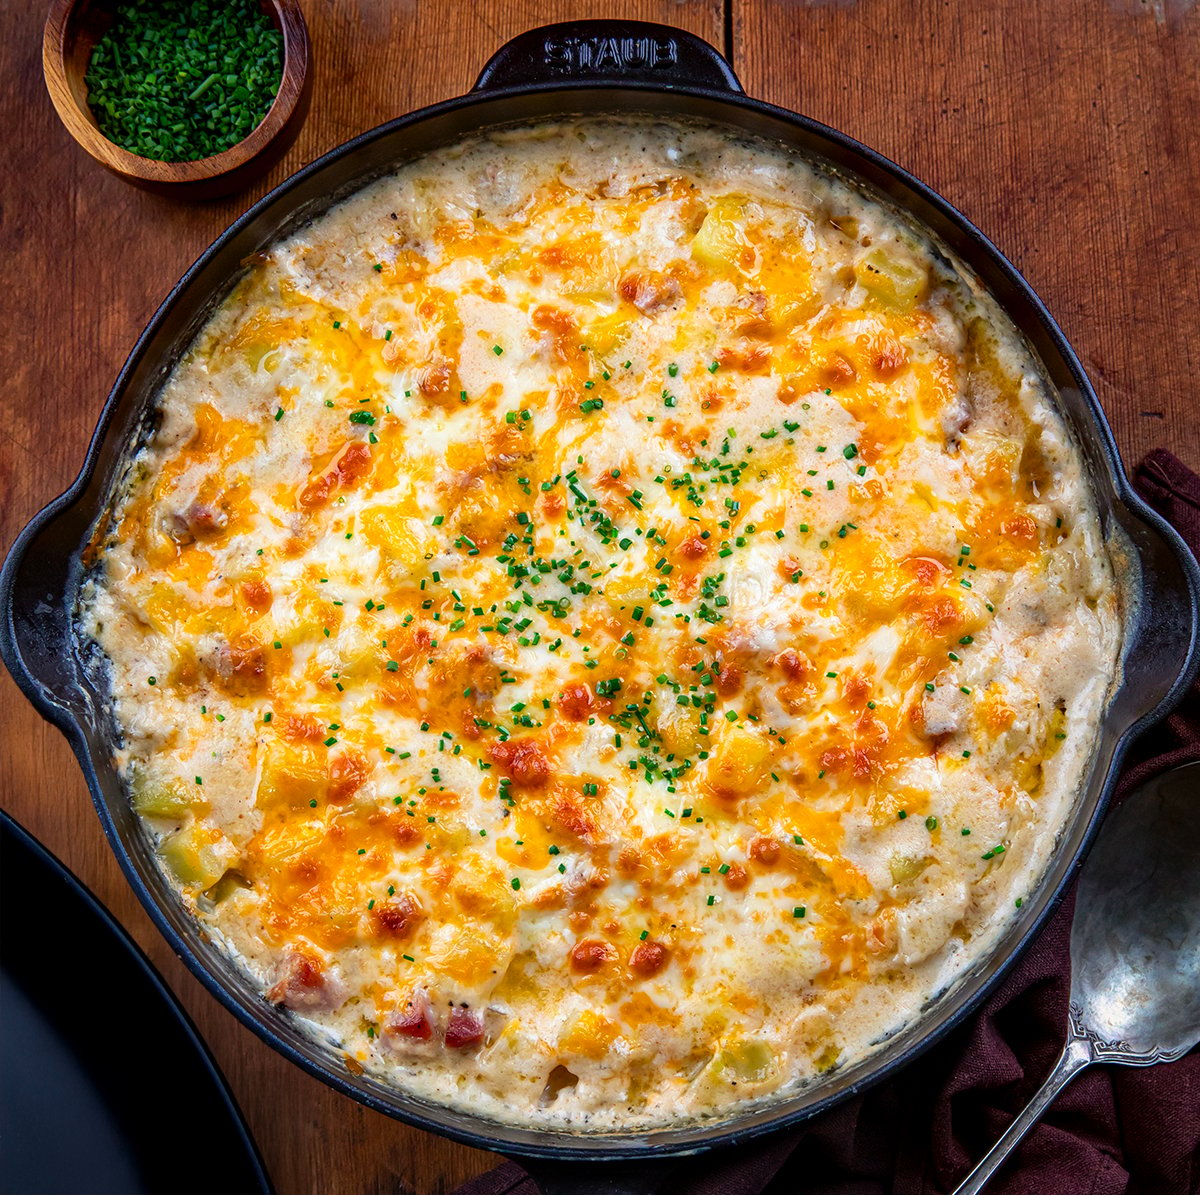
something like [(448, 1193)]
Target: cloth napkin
[(1114, 1131)]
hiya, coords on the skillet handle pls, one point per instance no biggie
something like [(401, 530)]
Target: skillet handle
[(1163, 657), (607, 53), (35, 624)]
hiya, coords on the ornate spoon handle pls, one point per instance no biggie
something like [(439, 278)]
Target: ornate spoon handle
[(1077, 1054)]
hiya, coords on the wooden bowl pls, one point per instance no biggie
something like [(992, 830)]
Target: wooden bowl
[(73, 28)]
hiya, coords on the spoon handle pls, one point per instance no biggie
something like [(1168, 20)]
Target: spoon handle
[(1077, 1054)]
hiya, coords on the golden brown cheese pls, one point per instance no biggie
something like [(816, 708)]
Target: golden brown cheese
[(609, 624)]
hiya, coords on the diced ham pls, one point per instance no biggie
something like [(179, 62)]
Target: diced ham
[(649, 291), (435, 379), (793, 664), (200, 521), (744, 355), (764, 850), (396, 918), (240, 666), (351, 463), (303, 985), (576, 702), (414, 1021), (560, 332), (523, 760), (465, 1028)]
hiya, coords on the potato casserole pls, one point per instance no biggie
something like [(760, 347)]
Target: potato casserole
[(608, 623)]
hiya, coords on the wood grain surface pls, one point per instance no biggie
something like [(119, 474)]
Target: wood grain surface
[(1064, 128)]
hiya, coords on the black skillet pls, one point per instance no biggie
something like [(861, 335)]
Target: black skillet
[(105, 1078), (586, 67)]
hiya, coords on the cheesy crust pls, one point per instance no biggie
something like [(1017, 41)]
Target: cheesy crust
[(608, 625)]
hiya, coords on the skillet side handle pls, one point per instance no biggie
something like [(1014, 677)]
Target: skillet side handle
[(1163, 658), (621, 52), (35, 632)]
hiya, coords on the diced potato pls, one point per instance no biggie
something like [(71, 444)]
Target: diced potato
[(259, 338), (266, 357), (160, 798), (1056, 731), (606, 334), (520, 981), (869, 577), (486, 898), (299, 631), (232, 881), (215, 620), (680, 730), (485, 513), (740, 764), (451, 835), (279, 847), (589, 1034), (925, 495), (907, 867), (165, 608), (827, 1058), (291, 777), (893, 278), (536, 838), (405, 542), (514, 1041), (195, 857), (721, 239), (309, 618), (360, 655), (849, 225), (334, 911), (470, 956), (627, 590), (995, 459), (1027, 772), (745, 1061)]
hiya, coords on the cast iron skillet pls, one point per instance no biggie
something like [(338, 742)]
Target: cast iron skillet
[(583, 67)]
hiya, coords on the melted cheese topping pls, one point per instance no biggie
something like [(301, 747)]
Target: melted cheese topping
[(608, 625)]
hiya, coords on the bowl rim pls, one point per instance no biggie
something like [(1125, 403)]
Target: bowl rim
[(58, 38)]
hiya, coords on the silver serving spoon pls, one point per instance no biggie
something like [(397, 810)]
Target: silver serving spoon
[(1135, 947)]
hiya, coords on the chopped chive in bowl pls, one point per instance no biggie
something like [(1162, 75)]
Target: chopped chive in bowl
[(181, 80)]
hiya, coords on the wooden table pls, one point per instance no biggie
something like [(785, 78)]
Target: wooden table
[(1066, 129)]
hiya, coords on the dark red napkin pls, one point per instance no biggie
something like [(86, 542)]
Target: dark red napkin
[(1114, 1131)]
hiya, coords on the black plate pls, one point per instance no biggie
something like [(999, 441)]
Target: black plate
[(106, 1085)]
